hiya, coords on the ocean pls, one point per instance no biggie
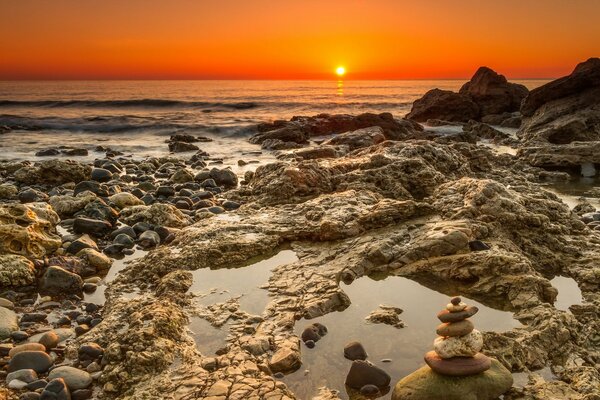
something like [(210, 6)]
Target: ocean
[(136, 117)]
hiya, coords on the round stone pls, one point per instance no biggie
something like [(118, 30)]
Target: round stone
[(355, 351), (369, 390), (460, 328), (35, 360), (26, 347), (425, 384), (458, 366), (456, 307), (73, 377), (49, 340), (461, 346), (447, 316), (455, 300)]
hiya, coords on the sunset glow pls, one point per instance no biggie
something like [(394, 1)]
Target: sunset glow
[(340, 71), (381, 39)]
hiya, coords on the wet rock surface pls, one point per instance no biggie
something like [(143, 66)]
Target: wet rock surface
[(405, 206)]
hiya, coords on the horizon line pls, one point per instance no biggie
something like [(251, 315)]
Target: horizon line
[(256, 79)]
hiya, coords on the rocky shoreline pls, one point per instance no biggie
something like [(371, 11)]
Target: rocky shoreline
[(352, 196)]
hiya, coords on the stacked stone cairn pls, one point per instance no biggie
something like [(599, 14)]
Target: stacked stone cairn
[(456, 369), (457, 348)]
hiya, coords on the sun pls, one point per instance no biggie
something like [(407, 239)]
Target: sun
[(340, 71)]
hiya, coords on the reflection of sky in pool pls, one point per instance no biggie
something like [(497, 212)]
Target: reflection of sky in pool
[(406, 347)]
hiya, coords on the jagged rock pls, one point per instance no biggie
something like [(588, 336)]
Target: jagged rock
[(181, 147), (493, 93), (65, 206), (364, 137), (561, 127), (445, 105), (53, 172), (28, 230), (156, 214)]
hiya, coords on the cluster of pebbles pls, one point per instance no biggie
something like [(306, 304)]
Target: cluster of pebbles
[(457, 348), (71, 220)]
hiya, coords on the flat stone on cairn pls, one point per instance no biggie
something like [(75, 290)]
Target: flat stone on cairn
[(456, 370)]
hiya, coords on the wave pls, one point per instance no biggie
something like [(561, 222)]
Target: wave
[(143, 103), (204, 105), (116, 125)]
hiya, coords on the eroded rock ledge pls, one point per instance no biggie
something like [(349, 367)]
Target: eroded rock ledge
[(405, 208)]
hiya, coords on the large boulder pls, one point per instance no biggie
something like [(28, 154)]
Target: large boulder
[(424, 384), (493, 93), (487, 93), (444, 105), (561, 125), (28, 230), (53, 172)]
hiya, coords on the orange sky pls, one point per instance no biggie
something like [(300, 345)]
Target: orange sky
[(293, 39)]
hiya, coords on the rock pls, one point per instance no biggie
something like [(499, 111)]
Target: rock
[(447, 316), (181, 147), (285, 360), (124, 199), (369, 390), (224, 177), (124, 240), (56, 390), (16, 271), (445, 105), (57, 280), (459, 346), (28, 230), (92, 227), (478, 245), (9, 322), (149, 239), (561, 125), (8, 191), (26, 347), (182, 176), (355, 351), (47, 152), (493, 93), (357, 139), (101, 175), (30, 396), (364, 373), (156, 214), (386, 315), (49, 340), (95, 259), (75, 152), (66, 206), (38, 361), (311, 332), (90, 351), (458, 366), (91, 186), (460, 328), (53, 172), (165, 191), (425, 384), (24, 375), (17, 384), (82, 394), (73, 377), (83, 242)]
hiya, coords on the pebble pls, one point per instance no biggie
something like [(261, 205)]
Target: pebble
[(459, 366), (37, 384), (460, 346), (49, 340), (364, 373), (24, 375), (149, 239), (460, 328), (38, 361), (355, 351), (447, 316), (30, 396), (74, 378), (19, 336), (26, 347), (56, 390), (456, 307), (101, 175)]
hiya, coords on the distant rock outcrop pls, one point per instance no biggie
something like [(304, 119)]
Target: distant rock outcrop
[(561, 126), (487, 93), (300, 129)]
